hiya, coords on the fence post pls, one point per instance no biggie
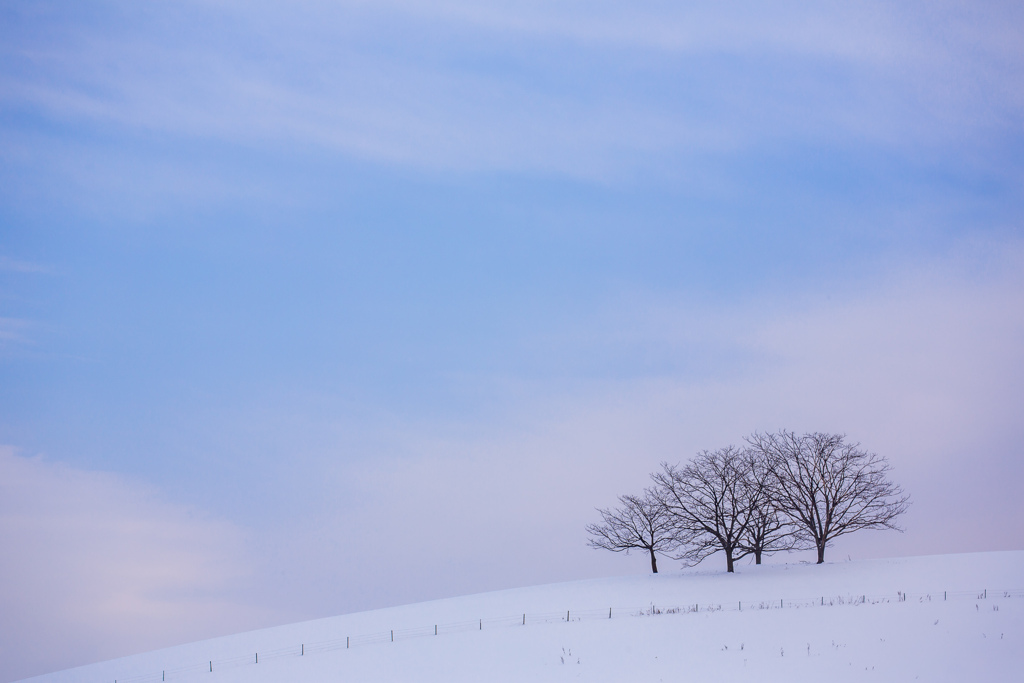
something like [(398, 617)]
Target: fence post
[(435, 629), (609, 612), (481, 624), (303, 653), (211, 667), (346, 642), (392, 635), (741, 605), (257, 657)]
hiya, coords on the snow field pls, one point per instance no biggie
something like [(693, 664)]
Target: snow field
[(887, 642), (887, 637)]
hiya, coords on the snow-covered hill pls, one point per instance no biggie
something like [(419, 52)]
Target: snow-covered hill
[(939, 618)]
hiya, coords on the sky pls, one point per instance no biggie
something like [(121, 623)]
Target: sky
[(318, 307)]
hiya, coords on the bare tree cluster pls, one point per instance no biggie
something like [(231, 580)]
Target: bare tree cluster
[(779, 492)]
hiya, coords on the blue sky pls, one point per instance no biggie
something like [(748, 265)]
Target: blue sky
[(354, 304)]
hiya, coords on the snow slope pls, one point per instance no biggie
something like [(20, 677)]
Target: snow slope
[(939, 618)]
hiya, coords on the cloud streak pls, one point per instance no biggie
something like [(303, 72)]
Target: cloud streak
[(15, 266), (449, 87), (96, 566)]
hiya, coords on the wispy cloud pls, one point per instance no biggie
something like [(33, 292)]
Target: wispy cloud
[(15, 266), (97, 566), (470, 86), (13, 330)]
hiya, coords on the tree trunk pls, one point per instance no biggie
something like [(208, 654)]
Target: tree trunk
[(821, 553), (757, 557), (728, 561), (654, 563)]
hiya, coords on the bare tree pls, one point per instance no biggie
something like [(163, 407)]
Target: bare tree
[(641, 523), (769, 529), (711, 503), (828, 487)]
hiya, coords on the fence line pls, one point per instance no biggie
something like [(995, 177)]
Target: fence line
[(527, 619)]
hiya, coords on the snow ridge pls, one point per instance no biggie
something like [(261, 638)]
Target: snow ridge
[(854, 617)]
